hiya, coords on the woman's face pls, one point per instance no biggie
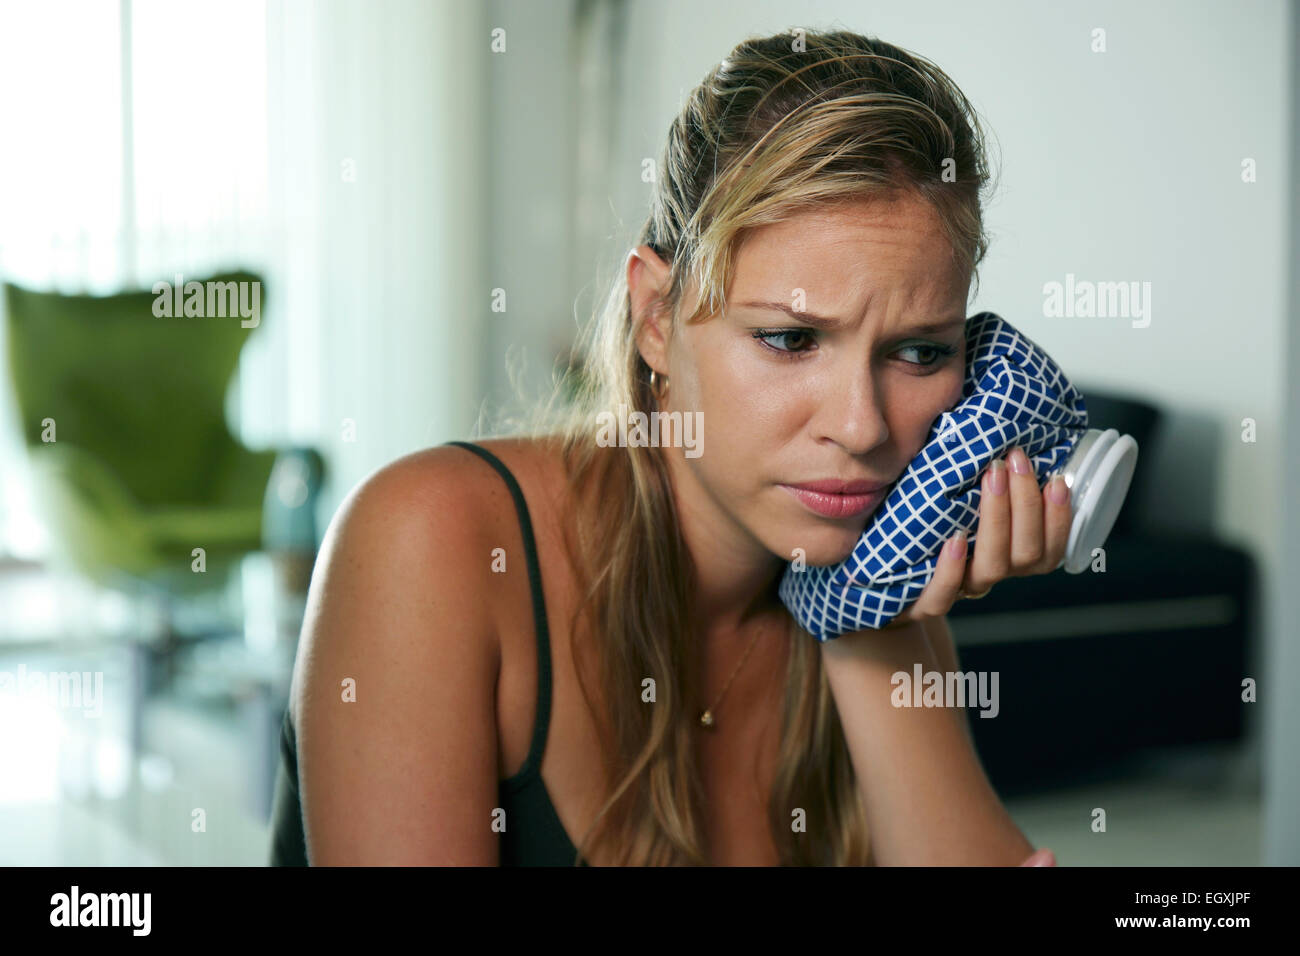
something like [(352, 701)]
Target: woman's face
[(851, 398)]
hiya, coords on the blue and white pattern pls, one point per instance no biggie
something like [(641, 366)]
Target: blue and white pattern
[(1014, 394)]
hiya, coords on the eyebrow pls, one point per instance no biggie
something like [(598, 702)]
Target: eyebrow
[(822, 322)]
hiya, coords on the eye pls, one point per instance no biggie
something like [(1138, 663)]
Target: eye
[(767, 336), (937, 351)]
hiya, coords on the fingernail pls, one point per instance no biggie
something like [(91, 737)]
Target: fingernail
[(1058, 491), (998, 477), (956, 543), (1019, 462)]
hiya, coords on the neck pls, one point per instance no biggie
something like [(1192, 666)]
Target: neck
[(736, 577)]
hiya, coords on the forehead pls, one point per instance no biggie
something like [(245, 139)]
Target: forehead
[(844, 252)]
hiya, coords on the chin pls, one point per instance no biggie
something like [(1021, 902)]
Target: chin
[(823, 545)]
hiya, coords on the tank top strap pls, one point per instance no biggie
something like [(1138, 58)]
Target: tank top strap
[(532, 765)]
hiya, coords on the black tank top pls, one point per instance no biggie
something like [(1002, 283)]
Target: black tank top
[(534, 835)]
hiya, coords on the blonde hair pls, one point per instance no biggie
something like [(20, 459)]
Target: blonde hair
[(782, 123)]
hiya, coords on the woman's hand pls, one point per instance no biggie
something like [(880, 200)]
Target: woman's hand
[(1022, 531)]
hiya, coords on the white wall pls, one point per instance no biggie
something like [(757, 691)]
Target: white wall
[(555, 108), (1282, 750), (1115, 166), (377, 292), (532, 184)]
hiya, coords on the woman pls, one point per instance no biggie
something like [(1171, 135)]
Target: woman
[(554, 647)]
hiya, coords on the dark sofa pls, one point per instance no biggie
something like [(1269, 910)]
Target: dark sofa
[(1096, 668)]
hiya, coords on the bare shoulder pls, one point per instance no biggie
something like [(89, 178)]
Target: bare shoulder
[(536, 462), (394, 686), (437, 480), (446, 489), (407, 520)]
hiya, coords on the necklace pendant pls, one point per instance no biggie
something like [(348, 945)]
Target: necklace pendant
[(706, 718)]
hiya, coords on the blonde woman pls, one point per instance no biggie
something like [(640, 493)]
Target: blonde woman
[(564, 646)]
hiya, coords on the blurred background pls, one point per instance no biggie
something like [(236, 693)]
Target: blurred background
[(408, 207)]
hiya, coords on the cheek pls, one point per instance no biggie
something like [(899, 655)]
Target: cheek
[(739, 394), (747, 420), (915, 414), (735, 432)]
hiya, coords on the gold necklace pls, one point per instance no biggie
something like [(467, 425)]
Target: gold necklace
[(706, 718)]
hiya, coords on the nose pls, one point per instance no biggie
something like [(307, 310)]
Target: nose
[(849, 412)]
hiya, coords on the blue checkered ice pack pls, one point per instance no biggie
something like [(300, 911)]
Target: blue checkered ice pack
[(1014, 394)]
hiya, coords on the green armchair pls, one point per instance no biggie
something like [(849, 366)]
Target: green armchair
[(142, 469)]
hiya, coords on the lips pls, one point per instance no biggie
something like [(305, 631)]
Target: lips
[(834, 486), (837, 504)]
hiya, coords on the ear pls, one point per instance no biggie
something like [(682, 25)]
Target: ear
[(647, 285)]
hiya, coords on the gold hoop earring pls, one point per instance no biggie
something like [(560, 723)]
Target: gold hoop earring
[(657, 387)]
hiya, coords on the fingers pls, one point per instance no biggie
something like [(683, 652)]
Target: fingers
[(1027, 510), (940, 593), (1057, 520), (1023, 530), (991, 561), (1042, 857)]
